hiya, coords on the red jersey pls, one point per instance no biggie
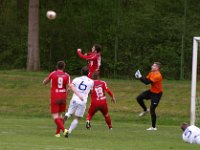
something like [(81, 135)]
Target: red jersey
[(98, 92), (59, 81), (156, 78), (94, 60)]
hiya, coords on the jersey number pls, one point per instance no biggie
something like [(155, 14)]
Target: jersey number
[(99, 92), (91, 62), (188, 133), (82, 86), (60, 82)]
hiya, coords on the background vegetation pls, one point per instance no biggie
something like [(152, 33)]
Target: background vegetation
[(133, 33)]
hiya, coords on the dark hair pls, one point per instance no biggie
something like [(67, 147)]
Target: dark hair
[(158, 64), (84, 71), (184, 126), (95, 75), (60, 65), (97, 47)]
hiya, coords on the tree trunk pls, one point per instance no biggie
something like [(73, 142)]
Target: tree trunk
[(33, 57)]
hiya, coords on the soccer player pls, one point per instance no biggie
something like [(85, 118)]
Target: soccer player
[(191, 134), (154, 93), (77, 106), (59, 81), (93, 58), (98, 101)]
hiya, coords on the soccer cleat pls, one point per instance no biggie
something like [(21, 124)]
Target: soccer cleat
[(151, 129), (57, 135), (143, 113), (88, 126), (66, 133), (110, 129)]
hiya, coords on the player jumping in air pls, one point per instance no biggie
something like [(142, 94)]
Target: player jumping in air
[(98, 101), (93, 58)]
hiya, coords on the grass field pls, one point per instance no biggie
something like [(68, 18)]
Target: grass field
[(25, 121)]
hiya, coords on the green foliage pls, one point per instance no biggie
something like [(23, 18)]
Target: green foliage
[(13, 29), (133, 33)]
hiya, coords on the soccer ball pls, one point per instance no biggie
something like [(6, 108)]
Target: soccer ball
[(51, 14)]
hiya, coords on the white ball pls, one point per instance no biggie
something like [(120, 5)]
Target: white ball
[(51, 14)]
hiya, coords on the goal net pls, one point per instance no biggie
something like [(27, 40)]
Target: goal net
[(195, 85)]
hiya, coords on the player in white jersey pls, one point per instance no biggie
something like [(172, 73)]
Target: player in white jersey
[(191, 134), (77, 106)]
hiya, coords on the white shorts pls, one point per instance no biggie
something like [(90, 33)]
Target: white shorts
[(76, 109)]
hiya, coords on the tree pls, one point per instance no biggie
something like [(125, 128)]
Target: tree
[(33, 58)]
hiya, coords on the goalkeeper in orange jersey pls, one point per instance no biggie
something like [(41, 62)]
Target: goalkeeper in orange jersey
[(154, 93)]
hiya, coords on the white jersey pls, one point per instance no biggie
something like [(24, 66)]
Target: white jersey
[(191, 135), (83, 85)]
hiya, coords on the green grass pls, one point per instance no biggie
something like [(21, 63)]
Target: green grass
[(26, 122), (37, 133)]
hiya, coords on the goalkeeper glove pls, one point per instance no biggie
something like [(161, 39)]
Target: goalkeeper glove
[(138, 74)]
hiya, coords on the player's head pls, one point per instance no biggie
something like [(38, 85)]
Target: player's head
[(60, 65), (95, 75), (84, 71), (156, 66), (184, 126), (97, 48)]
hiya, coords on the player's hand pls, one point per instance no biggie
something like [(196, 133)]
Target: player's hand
[(45, 81), (138, 74), (68, 90), (79, 50), (81, 98), (113, 100)]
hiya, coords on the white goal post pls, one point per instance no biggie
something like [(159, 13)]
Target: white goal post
[(194, 81)]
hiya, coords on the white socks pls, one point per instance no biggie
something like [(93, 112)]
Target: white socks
[(73, 125)]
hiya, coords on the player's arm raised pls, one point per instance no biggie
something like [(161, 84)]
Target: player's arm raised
[(145, 80), (138, 75), (87, 57)]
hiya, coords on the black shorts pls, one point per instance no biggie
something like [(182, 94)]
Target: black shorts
[(148, 95)]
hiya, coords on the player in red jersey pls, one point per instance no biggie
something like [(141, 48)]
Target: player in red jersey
[(94, 58), (59, 81), (98, 101)]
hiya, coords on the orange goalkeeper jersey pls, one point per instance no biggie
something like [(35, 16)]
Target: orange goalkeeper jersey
[(156, 78)]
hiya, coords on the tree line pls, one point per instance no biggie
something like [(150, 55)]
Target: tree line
[(133, 34)]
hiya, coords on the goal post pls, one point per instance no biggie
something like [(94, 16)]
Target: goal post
[(194, 81)]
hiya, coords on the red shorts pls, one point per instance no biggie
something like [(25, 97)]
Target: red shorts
[(91, 71), (58, 106), (103, 108)]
